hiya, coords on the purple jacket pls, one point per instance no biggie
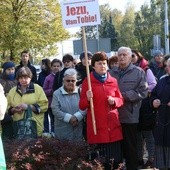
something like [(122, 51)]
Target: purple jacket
[(48, 87), (150, 78)]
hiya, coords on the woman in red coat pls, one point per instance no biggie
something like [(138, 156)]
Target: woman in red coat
[(106, 99)]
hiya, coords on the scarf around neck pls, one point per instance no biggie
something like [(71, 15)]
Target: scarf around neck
[(101, 78)]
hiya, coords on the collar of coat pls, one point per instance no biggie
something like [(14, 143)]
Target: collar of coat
[(29, 89), (65, 93)]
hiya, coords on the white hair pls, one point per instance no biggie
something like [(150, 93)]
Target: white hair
[(127, 49), (70, 72)]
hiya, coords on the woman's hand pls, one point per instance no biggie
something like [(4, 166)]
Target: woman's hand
[(111, 100), (156, 103), (23, 106), (74, 121), (16, 109), (89, 95)]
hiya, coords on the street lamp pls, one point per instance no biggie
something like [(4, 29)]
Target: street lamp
[(166, 25)]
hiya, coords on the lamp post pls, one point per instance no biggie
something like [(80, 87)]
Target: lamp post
[(166, 25)]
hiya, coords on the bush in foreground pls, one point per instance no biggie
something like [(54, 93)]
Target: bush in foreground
[(48, 154)]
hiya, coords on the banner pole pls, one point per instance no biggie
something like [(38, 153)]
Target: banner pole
[(88, 80)]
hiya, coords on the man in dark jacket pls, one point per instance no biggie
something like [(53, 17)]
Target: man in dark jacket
[(133, 86), (25, 62)]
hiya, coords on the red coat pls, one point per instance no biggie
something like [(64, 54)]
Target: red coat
[(107, 119)]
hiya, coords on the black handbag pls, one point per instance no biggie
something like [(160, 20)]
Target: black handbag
[(25, 128)]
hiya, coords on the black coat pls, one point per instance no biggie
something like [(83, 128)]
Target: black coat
[(81, 69), (162, 129)]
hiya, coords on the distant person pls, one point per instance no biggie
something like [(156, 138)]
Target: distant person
[(113, 62), (156, 64), (166, 57), (25, 56), (8, 76), (45, 71), (81, 67), (106, 100), (133, 86), (56, 66), (58, 79), (65, 107)]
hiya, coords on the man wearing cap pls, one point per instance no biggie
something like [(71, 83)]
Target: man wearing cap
[(81, 67), (156, 64), (25, 62)]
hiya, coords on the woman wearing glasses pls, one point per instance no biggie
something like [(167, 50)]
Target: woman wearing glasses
[(65, 107)]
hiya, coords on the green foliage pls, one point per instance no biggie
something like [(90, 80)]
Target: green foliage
[(147, 23), (127, 37), (27, 24)]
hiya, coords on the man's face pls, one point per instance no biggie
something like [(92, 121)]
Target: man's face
[(124, 58), (25, 57)]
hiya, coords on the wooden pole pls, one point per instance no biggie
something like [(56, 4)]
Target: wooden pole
[(88, 80)]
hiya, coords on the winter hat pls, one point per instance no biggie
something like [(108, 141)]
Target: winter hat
[(157, 53), (7, 65), (89, 55)]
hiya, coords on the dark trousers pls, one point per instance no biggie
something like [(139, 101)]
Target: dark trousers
[(130, 145), (48, 125)]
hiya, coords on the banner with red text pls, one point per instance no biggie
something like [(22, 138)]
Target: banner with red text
[(78, 13)]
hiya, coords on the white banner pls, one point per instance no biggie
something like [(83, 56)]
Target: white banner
[(78, 13)]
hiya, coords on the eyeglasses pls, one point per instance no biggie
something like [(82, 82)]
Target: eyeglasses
[(67, 61), (68, 81)]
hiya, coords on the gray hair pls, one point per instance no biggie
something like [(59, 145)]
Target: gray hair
[(127, 49), (70, 72)]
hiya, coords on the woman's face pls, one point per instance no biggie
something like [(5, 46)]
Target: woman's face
[(43, 66), (10, 71), (24, 81), (69, 83), (134, 58), (55, 67), (100, 67)]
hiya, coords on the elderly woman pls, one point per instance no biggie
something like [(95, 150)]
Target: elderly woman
[(160, 99), (106, 98), (24, 94), (65, 107)]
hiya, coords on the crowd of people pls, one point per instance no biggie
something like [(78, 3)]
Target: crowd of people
[(122, 87)]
